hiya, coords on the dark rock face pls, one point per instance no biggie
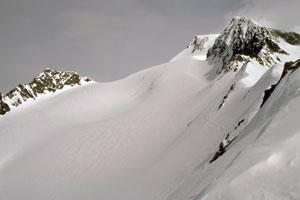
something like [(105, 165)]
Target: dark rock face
[(4, 108), (268, 93), (243, 37), (48, 81), (290, 67), (223, 146), (290, 37)]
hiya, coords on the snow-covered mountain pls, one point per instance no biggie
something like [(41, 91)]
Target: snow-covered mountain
[(218, 121), (49, 81)]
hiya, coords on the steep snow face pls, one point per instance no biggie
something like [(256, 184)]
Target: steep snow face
[(49, 81), (176, 131), (264, 162)]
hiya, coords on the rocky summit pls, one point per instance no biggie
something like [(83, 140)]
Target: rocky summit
[(244, 39), (49, 81)]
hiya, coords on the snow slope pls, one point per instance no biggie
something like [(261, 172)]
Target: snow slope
[(92, 135), (154, 134)]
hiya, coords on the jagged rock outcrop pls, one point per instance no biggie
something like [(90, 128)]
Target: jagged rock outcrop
[(244, 39), (290, 67), (198, 43), (48, 81), (4, 108)]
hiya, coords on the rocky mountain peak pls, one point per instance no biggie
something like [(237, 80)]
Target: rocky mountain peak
[(241, 21), (49, 81), (245, 39)]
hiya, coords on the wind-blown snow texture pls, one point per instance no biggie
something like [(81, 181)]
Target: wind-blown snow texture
[(219, 121)]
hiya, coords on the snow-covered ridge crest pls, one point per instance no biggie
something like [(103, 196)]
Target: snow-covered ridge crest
[(49, 81), (245, 40)]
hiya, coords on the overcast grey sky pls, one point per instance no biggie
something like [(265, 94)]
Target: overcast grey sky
[(108, 40)]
